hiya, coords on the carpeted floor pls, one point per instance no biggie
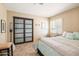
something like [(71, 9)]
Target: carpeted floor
[(25, 49)]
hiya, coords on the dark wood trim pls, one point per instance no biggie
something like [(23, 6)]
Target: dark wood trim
[(39, 52), (14, 17), (23, 42), (22, 23), (28, 24), (24, 30), (18, 37), (18, 33), (32, 30), (28, 32), (19, 28), (22, 18), (14, 30), (28, 28), (18, 23)]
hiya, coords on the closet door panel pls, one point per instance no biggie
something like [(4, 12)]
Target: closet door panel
[(19, 35), (19, 40), (18, 25), (18, 31), (28, 39), (28, 30), (19, 21), (28, 26), (28, 21), (28, 35)]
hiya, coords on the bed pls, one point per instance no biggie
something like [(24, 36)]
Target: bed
[(58, 46)]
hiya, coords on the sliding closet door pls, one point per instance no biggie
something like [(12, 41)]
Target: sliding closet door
[(23, 30), (18, 30), (28, 30)]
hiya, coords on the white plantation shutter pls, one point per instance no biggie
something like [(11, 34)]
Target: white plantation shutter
[(57, 25)]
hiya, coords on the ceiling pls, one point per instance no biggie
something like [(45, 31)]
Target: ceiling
[(39, 9)]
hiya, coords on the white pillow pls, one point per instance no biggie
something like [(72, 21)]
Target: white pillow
[(64, 34)]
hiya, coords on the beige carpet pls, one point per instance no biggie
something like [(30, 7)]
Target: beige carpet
[(25, 49)]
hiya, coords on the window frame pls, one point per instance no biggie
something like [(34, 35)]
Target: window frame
[(59, 31)]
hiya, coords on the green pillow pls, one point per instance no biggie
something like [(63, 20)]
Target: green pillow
[(76, 35), (69, 36)]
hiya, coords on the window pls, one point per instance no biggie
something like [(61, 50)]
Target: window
[(56, 25)]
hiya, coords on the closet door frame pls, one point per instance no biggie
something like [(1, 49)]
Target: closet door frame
[(15, 17)]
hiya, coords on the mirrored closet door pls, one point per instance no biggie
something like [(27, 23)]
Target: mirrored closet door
[(23, 30)]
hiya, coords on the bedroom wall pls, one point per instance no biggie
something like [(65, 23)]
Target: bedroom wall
[(70, 20), (38, 30), (3, 16)]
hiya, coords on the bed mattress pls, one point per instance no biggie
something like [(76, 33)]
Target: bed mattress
[(62, 45)]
